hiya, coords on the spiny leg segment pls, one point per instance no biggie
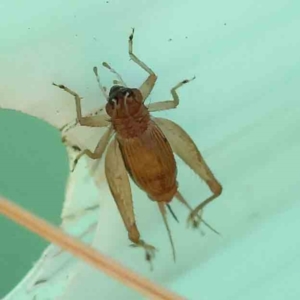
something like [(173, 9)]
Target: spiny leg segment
[(194, 218), (216, 189), (185, 148)]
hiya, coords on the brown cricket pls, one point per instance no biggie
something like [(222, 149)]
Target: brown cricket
[(143, 147)]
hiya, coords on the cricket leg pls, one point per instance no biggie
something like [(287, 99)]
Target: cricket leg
[(169, 104), (185, 148), (95, 118), (119, 185), (149, 83), (91, 121), (99, 150), (216, 189), (196, 219), (67, 127)]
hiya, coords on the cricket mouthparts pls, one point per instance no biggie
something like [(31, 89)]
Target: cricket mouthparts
[(118, 91)]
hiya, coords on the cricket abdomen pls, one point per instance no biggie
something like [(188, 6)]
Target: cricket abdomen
[(150, 161)]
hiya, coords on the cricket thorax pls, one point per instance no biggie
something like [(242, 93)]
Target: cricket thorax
[(129, 116)]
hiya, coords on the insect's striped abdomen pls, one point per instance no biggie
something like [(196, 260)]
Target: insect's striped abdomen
[(150, 162)]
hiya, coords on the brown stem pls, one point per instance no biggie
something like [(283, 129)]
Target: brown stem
[(86, 253)]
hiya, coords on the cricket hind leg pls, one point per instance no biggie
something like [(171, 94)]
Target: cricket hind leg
[(134, 236), (169, 104), (216, 189), (194, 218), (185, 148), (149, 83), (119, 185)]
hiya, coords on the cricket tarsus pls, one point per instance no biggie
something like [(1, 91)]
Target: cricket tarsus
[(131, 35), (216, 188), (76, 148), (61, 86), (194, 218), (149, 251), (188, 80)]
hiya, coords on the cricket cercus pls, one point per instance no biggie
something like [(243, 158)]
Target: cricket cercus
[(143, 147)]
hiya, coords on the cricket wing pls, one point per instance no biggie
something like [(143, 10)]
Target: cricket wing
[(183, 146), (119, 184)]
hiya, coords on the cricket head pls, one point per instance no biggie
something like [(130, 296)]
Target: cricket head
[(123, 101)]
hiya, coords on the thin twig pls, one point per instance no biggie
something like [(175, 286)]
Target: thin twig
[(86, 253)]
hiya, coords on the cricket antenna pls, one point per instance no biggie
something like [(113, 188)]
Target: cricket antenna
[(162, 209), (120, 79), (103, 90)]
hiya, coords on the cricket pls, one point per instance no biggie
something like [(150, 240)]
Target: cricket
[(143, 147)]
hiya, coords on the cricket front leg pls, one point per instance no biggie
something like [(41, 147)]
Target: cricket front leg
[(119, 185), (149, 83), (90, 121), (185, 148), (169, 104), (96, 117)]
